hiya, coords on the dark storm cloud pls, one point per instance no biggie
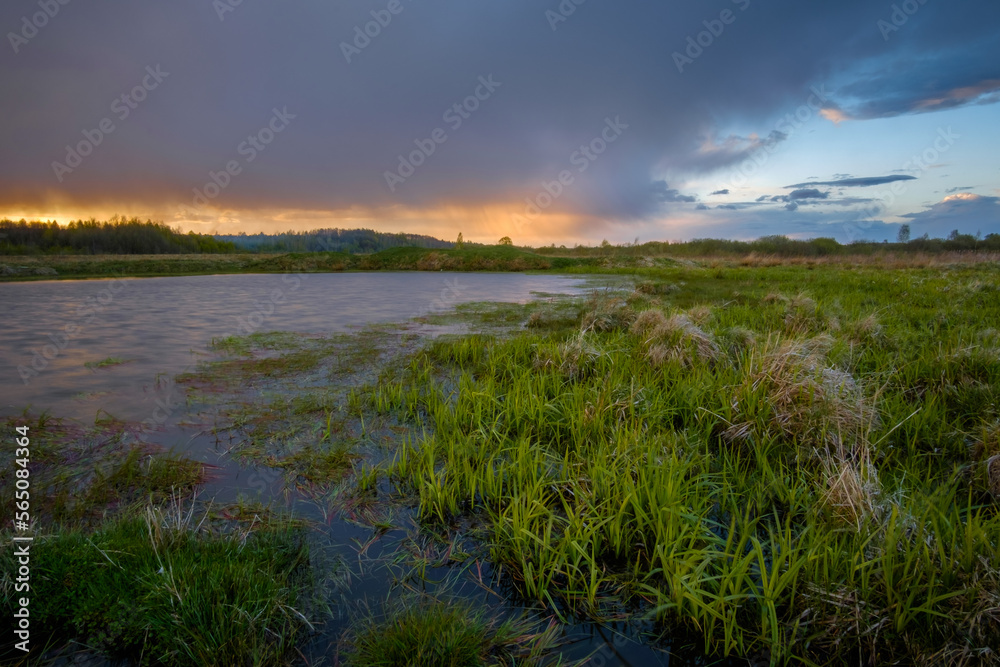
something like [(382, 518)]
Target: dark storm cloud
[(663, 193), (854, 182), (558, 87), (808, 193)]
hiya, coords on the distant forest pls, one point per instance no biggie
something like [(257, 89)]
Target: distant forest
[(117, 236), (132, 236), (352, 241), (782, 246)]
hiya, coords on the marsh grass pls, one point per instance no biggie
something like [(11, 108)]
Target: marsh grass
[(797, 465), (735, 460), (166, 586), (451, 633)]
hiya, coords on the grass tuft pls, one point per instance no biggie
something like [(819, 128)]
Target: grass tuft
[(432, 633)]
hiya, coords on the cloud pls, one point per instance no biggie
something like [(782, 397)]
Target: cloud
[(898, 102), (714, 153), (968, 213), (808, 193), (355, 121), (663, 193), (855, 182), (751, 223), (724, 191), (959, 188)]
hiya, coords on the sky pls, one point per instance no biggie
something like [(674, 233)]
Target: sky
[(549, 121)]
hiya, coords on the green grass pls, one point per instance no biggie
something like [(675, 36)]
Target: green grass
[(479, 258), (798, 462), (432, 633), (123, 566), (158, 587)]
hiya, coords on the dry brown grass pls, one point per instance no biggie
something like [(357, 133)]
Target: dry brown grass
[(807, 400), (852, 486), (608, 314), (803, 316), (679, 339), (993, 474), (881, 260), (574, 358), (647, 321), (700, 315)]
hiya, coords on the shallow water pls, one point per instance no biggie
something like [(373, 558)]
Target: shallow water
[(163, 326)]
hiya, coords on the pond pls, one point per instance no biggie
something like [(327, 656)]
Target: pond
[(76, 347)]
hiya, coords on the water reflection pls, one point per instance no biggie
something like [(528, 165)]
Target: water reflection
[(153, 328)]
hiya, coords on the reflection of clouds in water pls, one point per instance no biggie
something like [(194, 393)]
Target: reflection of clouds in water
[(166, 324)]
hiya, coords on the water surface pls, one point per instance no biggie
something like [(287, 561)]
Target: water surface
[(162, 326)]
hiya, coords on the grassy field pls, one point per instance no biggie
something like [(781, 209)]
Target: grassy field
[(470, 258), (498, 258), (793, 462)]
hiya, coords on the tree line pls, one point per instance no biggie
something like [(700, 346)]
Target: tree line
[(782, 246), (351, 241), (117, 236)]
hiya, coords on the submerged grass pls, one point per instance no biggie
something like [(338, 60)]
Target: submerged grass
[(105, 363), (81, 474)]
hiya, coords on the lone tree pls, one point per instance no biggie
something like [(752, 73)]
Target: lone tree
[(460, 243), (904, 234), (506, 241)]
